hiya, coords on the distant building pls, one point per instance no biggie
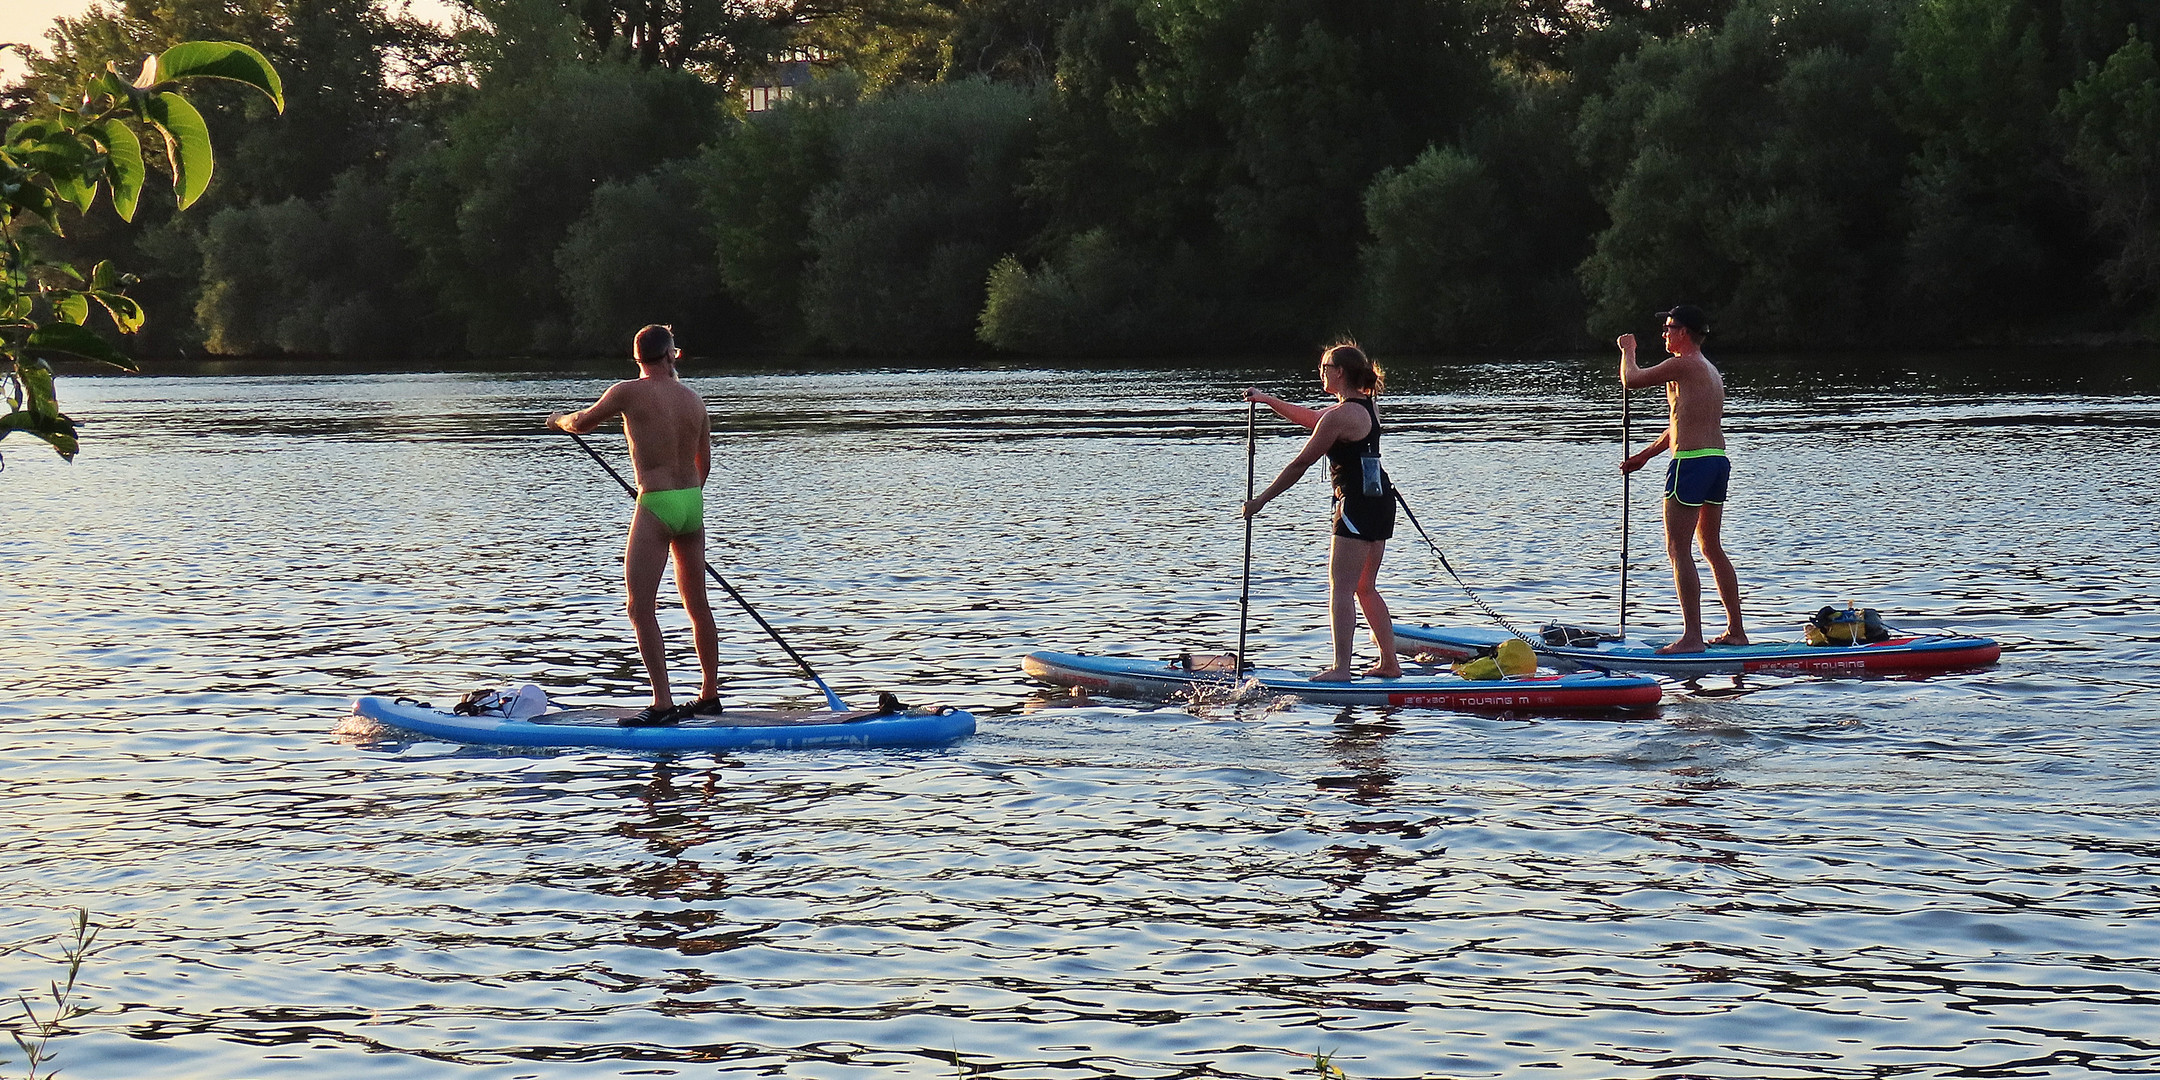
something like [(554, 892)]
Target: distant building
[(768, 88)]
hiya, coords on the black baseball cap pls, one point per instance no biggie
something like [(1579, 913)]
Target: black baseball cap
[(1689, 316)]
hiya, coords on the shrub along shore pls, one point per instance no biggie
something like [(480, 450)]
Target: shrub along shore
[(953, 178)]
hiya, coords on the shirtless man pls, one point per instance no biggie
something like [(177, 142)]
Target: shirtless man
[(1695, 480), (671, 450)]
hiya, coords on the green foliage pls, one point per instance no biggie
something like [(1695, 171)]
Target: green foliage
[(921, 205), (2113, 117), (54, 166), (1144, 176), (1227, 145), (755, 184), (1749, 170), (637, 257), (1007, 40), (1477, 244), (1094, 298), (308, 276), (1437, 232), (486, 208)]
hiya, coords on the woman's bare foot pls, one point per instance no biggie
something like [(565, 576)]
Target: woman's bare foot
[(1334, 674), (1730, 637), (1690, 644), (1384, 671)]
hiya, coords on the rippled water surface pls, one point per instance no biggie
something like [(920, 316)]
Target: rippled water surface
[(1773, 877)]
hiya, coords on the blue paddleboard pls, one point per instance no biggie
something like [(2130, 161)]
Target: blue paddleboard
[(747, 729)]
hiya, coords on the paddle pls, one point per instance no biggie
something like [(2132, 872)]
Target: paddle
[(1244, 600), (831, 699), (1626, 506)]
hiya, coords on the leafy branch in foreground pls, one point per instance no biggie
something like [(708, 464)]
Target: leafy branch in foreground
[(36, 1031), (62, 160)]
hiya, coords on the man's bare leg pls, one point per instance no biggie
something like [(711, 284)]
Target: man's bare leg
[(1377, 617), (1346, 567), (1680, 522), (1721, 570), (644, 559), (704, 635)]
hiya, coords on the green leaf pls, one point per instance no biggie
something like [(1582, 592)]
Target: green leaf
[(77, 341), (108, 84), (39, 398), (187, 144), (126, 313), (70, 186), (32, 131), (221, 60), (57, 430), (72, 307), (124, 170), (36, 200), (104, 276)]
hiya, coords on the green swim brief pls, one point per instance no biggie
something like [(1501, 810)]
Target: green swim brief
[(682, 510)]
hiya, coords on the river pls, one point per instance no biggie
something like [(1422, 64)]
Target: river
[(1771, 877)]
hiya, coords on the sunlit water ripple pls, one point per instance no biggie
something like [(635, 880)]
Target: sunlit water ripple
[(1774, 877)]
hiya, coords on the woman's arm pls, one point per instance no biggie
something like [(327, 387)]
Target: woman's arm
[(1327, 431), (1296, 414)]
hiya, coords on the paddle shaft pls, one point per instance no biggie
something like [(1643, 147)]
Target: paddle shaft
[(831, 699), (1244, 600), (1626, 506)]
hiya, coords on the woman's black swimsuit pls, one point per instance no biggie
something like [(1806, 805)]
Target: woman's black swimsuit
[(1357, 515)]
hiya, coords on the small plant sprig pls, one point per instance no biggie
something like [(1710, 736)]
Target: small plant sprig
[(1324, 1066), (37, 1031)]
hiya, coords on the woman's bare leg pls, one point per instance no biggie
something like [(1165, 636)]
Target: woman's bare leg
[(1377, 617)]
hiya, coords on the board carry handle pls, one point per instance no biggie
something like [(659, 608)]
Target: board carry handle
[(832, 700)]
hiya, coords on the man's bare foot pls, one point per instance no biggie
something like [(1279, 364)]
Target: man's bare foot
[(1334, 674), (1691, 644), (1730, 637), (1384, 671)]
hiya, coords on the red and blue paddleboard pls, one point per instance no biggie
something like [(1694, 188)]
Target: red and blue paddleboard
[(1158, 680), (1900, 654)]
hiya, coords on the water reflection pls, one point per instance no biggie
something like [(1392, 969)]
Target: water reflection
[(1772, 876)]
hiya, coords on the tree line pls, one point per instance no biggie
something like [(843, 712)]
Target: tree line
[(1129, 177)]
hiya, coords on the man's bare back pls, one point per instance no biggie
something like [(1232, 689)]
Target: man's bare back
[(669, 432), (671, 450)]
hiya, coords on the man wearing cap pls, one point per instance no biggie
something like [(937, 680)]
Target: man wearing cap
[(1696, 478)]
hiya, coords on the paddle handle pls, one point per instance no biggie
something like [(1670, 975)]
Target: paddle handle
[(1244, 600), (832, 700)]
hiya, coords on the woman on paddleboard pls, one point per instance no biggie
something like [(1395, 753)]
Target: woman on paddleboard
[(1346, 433)]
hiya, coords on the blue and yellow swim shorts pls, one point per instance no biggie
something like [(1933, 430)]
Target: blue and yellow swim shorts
[(1696, 477)]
